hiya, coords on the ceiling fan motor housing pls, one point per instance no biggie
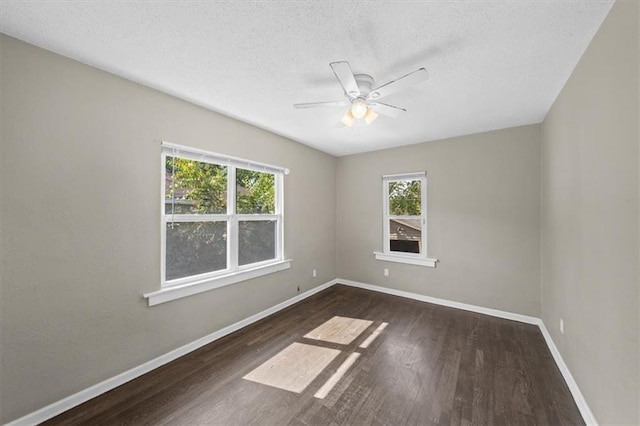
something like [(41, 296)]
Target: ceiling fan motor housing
[(365, 83)]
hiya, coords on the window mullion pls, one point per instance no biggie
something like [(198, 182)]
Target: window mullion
[(168, 218), (163, 224), (423, 205), (232, 226), (401, 217), (279, 181), (249, 217), (385, 213)]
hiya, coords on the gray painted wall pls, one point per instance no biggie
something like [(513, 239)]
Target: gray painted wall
[(482, 213), (80, 170), (590, 220)]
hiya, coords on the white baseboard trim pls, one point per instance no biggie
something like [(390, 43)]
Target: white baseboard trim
[(585, 411), (443, 302), (78, 398), (587, 415)]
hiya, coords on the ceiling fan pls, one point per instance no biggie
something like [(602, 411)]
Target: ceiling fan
[(362, 99)]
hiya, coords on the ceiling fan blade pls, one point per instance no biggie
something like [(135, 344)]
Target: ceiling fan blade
[(343, 72), (402, 83), (388, 110), (322, 104)]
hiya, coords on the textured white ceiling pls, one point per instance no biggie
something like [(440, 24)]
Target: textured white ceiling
[(493, 64)]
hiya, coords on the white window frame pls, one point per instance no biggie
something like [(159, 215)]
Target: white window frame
[(402, 257), (185, 286)]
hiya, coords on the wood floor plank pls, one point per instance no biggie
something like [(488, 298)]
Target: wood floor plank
[(430, 365)]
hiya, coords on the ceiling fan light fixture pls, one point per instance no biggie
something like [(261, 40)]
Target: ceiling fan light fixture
[(371, 116), (360, 95), (359, 109), (347, 119)]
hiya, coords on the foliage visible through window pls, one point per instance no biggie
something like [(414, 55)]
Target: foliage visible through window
[(195, 248), (404, 197), (207, 229), (257, 241), (195, 187), (255, 192)]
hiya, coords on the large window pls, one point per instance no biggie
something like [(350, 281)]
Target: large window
[(221, 216), (405, 219)]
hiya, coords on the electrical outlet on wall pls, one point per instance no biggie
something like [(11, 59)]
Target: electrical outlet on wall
[(386, 272), (561, 326), (315, 273)]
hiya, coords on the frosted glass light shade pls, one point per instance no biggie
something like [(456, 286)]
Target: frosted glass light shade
[(359, 109), (371, 116), (347, 119)]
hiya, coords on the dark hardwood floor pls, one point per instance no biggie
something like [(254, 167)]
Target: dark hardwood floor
[(430, 365)]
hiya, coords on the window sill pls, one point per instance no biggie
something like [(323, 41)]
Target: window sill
[(412, 260), (168, 294)]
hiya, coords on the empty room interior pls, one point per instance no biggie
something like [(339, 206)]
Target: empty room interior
[(313, 213)]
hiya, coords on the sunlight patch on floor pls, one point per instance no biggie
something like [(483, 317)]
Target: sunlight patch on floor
[(373, 335), (293, 368), (335, 378), (339, 330)]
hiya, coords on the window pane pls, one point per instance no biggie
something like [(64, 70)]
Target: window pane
[(257, 241), (255, 192), (194, 187), (195, 248), (405, 235), (404, 198)]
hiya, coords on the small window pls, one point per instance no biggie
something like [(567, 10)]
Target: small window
[(405, 219), (221, 215)]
